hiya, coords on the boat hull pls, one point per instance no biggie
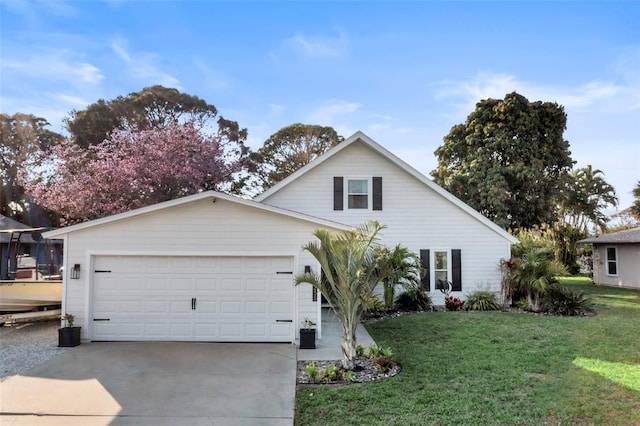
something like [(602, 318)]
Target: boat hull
[(22, 296)]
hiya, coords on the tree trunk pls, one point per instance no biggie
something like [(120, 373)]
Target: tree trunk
[(348, 344)]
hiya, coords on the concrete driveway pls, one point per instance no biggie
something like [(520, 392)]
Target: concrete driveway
[(156, 384)]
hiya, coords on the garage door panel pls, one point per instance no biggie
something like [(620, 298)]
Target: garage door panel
[(257, 284), (150, 298), (256, 307), (280, 308), (157, 284), (181, 284), (180, 307), (155, 307), (206, 307), (206, 285)]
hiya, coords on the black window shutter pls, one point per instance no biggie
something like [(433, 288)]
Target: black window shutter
[(426, 279), (456, 269), (338, 193), (377, 193)]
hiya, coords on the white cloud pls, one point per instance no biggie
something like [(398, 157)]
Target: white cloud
[(486, 85), (53, 64), (333, 110), (143, 65), (319, 47)]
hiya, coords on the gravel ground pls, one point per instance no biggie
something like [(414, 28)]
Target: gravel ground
[(26, 345)]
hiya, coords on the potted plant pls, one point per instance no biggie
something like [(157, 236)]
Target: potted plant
[(68, 336), (308, 334)]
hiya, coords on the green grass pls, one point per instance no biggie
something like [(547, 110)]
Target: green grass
[(498, 368)]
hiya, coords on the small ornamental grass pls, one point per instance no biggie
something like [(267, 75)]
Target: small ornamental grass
[(482, 301)]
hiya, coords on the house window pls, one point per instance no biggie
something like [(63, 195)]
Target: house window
[(441, 268), (444, 266), (612, 261), (358, 193)]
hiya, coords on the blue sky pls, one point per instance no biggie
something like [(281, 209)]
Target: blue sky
[(402, 72)]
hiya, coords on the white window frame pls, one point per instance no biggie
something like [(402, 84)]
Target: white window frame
[(369, 181), (608, 261), (433, 266)]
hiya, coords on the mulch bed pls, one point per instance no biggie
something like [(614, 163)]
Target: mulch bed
[(366, 370)]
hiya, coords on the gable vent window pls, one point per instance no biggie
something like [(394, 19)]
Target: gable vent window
[(358, 193)]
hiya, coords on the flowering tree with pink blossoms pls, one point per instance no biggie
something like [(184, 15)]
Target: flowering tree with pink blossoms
[(132, 169)]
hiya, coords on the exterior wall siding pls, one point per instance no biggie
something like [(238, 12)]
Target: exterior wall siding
[(628, 266), (200, 228), (415, 215)]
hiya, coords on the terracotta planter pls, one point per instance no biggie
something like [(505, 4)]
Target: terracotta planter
[(307, 338), (68, 337)]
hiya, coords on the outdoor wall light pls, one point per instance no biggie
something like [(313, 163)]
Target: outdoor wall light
[(75, 271)]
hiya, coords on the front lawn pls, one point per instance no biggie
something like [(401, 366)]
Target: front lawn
[(498, 368)]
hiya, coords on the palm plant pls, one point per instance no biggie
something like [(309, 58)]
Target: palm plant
[(534, 272), (403, 267), (351, 272)]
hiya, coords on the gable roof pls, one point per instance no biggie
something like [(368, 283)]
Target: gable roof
[(628, 236), (60, 233), (360, 136), (10, 226)]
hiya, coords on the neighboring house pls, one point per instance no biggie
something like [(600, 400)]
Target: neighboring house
[(17, 239), (616, 258), (215, 267)]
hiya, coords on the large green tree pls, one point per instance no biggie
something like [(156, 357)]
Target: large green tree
[(585, 198), (582, 205), (507, 160), (152, 107), (635, 207), (351, 272), (287, 150), (23, 138)]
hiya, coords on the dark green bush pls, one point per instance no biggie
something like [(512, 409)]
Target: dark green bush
[(482, 301), (414, 299), (560, 300)]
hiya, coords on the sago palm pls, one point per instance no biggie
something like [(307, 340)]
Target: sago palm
[(351, 272)]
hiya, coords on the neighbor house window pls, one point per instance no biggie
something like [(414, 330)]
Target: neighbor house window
[(612, 261), (358, 193)]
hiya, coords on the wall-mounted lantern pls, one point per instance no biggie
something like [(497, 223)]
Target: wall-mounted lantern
[(75, 271)]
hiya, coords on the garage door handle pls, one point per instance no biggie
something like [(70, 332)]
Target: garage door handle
[(102, 319), (284, 320), (193, 303)]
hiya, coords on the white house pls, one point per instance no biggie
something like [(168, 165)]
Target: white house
[(214, 267), (616, 258)]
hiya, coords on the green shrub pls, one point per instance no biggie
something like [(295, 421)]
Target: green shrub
[(372, 304), (453, 303), (312, 371), (561, 300), (414, 299), (330, 373), (482, 301), (349, 376)]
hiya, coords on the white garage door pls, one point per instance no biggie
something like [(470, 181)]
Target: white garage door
[(216, 299)]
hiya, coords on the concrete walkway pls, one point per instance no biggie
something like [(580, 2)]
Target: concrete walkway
[(146, 383), (329, 347)]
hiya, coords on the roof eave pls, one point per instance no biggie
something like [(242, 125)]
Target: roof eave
[(60, 233)]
